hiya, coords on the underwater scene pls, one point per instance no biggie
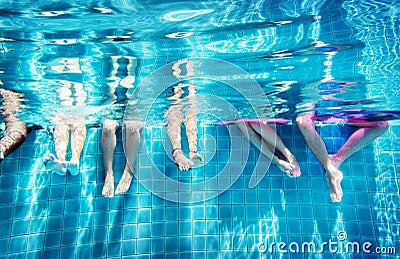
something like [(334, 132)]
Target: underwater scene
[(199, 129)]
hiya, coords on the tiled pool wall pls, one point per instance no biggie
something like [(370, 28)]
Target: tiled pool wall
[(44, 215)]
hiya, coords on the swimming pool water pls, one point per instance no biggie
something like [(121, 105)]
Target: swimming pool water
[(51, 216), (93, 54)]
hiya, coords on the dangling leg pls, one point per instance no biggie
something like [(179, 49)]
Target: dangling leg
[(16, 130), (359, 139), (191, 126), (264, 147), (14, 136), (191, 133), (108, 144), (317, 146), (132, 144), (61, 139), (174, 117), (77, 142), (269, 135)]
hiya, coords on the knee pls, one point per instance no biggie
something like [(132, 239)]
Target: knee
[(304, 121), (133, 126), (383, 125), (109, 126)]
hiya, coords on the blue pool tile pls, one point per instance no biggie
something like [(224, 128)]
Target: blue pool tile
[(34, 254), (52, 253), (144, 230), (56, 179), (71, 206), (199, 227), (361, 199), (73, 191), (143, 246), (8, 181), (185, 243), (100, 234), (4, 246), (20, 227), (9, 165), (185, 228), (18, 244), (114, 233), (52, 239), (157, 245), (171, 228), (55, 223), (36, 241), (129, 247), (292, 212), (7, 212), (5, 228), (171, 244), (57, 192), (55, 207), (38, 225), (7, 196), (157, 230), (367, 229), (349, 213), (114, 249), (69, 237), (291, 197), (306, 212), (83, 251), (294, 226)]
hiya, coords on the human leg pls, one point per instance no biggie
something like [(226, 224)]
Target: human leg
[(359, 139), (132, 143), (317, 146), (108, 144), (61, 138), (265, 148), (270, 136), (78, 136), (191, 133), (14, 136), (174, 117)]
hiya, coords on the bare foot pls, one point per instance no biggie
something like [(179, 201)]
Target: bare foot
[(286, 167), (196, 158), (55, 165), (293, 161), (124, 183), (108, 188), (335, 177), (183, 162), (73, 167)]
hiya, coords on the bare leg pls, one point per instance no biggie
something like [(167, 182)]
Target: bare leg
[(174, 117), (191, 125), (14, 136), (132, 143), (108, 144), (317, 146), (61, 139), (359, 139), (77, 142), (16, 130), (191, 133), (269, 135), (264, 147)]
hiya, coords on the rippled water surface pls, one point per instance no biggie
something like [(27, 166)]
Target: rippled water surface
[(86, 57)]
